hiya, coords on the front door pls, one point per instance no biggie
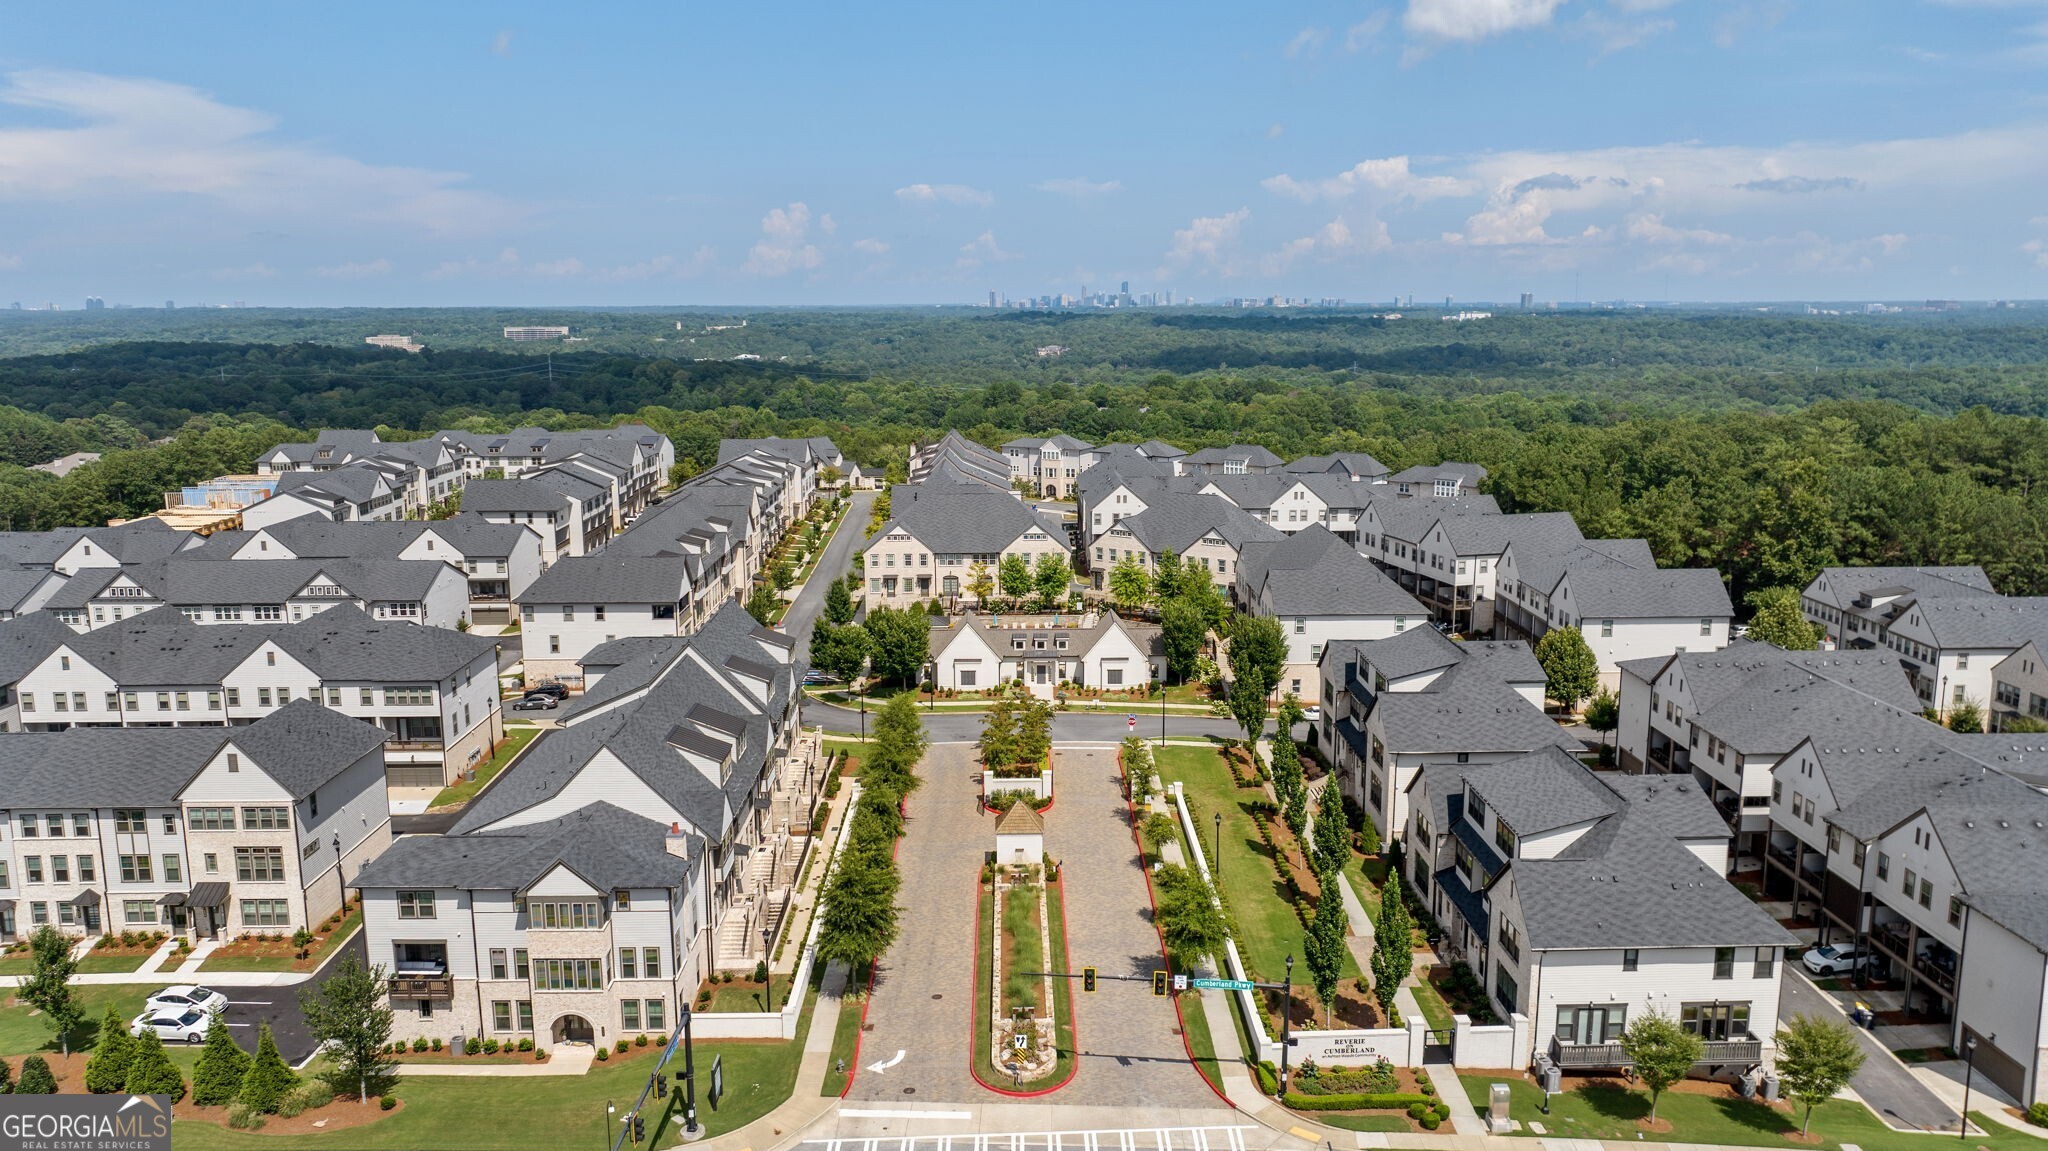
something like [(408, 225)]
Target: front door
[(92, 920)]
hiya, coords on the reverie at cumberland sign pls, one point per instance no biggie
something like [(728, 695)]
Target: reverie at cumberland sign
[(85, 1123)]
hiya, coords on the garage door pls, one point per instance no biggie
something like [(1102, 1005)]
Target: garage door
[(413, 775), (2000, 1068)]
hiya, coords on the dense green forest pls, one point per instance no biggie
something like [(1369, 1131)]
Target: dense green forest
[(1765, 446)]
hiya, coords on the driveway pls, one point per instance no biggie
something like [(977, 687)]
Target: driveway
[(279, 1007), (1883, 1082), (1108, 726), (809, 603)]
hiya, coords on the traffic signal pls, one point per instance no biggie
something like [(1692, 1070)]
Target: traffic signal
[(1159, 983), (660, 1087), (1087, 979), (639, 1128)]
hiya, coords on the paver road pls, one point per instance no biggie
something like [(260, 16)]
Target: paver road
[(1131, 1053), (923, 995)]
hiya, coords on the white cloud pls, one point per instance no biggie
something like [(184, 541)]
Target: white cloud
[(567, 266), (982, 249), (1079, 187), (1307, 42), (256, 271), (1391, 176), (784, 247), (124, 136), (9, 261), (1207, 240), (1741, 20), (871, 247), (506, 265), (501, 44), (1614, 35), (1365, 34), (661, 267), (1469, 20), (944, 194), (1333, 240), (355, 271), (1642, 5), (1276, 131)]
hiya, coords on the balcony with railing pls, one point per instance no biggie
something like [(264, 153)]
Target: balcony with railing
[(1747, 1049), (1894, 935), (406, 986)]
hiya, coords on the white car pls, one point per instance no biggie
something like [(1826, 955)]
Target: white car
[(185, 997), (173, 1026), (1313, 713), (1834, 959)]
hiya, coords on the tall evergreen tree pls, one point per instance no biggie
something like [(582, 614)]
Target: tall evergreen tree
[(36, 1078), (112, 1050), (1332, 847), (1288, 783), (217, 1077), (838, 603), (1393, 957), (1324, 947), (150, 1070), (268, 1079)]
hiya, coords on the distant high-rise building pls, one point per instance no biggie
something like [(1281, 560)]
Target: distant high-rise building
[(991, 297), (170, 305), (94, 304), (1528, 299), (1126, 289)]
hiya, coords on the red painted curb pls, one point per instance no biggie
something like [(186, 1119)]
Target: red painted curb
[(1041, 811), (1132, 806), (1074, 1067)]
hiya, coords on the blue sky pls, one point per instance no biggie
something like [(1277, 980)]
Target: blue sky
[(926, 153)]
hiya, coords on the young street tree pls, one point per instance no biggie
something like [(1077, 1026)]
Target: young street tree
[(859, 918), (1014, 574), (1603, 715), (1662, 1051), (1053, 579), (1182, 628), (840, 650), (1816, 1059), (980, 584), (762, 604), (901, 642), (349, 1013), (899, 743), (1258, 651), (1392, 958), (1777, 619), (1193, 926), (1288, 783), (999, 734), (1570, 671), (48, 986), (1327, 839), (838, 603), (1166, 576), (1129, 583), (1324, 947)]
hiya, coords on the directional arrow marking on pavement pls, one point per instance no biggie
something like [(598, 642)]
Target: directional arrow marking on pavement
[(886, 1064)]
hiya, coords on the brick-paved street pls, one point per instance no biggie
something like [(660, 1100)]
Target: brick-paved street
[(1131, 1055), (947, 835)]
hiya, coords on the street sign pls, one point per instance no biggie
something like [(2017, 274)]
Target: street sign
[(1131, 723), (1226, 984), (717, 1080), (1180, 982)]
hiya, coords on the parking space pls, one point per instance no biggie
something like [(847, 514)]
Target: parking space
[(250, 1007)]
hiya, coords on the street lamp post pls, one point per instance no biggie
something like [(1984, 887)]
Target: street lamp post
[(767, 962), (1969, 1069), (1286, 1020), (605, 1124), (1218, 868), (1162, 713)]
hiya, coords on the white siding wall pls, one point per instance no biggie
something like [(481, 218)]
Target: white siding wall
[(2001, 993)]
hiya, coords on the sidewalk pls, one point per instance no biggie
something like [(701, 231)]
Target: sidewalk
[(786, 1124), (564, 1059)]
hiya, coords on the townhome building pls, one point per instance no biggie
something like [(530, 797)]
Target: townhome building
[(1950, 646), (431, 592), (953, 458), (1049, 463), (1727, 717), (1321, 591), (433, 690), (1585, 901), (938, 531), (1355, 466), (634, 459), (1528, 573), (1447, 480), (1853, 606), (1205, 531), (2019, 689), (1624, 612), (724, 533), (977, 652), (499, 559), (584, 601), (206, 832), (1234, 460), (570, 515), (64, 551), (330, 449), (24, 591), (1393, 706), (647, 843), (816, 454), (361, 490), (1449, 552), (1119, 486), (1924, 850)]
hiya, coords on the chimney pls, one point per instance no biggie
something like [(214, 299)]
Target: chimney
[(677, 843)]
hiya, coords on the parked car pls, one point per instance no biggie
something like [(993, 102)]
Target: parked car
[(537, 703), (554, 688), (819, 678), (185, 997), (173, 1026), (1834, 958), (1313, 713)]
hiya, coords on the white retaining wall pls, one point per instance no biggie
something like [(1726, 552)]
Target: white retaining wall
[(1039, 785)]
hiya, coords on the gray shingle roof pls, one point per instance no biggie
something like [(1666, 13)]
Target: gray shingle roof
[(1659, 593), (302, 745), (1313, 573), (1176, 521), (1466, 709), (1542, 792), (1985, 621), (611, 579), (964, 519), (608, 846)]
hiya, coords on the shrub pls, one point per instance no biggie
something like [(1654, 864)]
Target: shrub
[(1427, 1088), (269, 1080), (1269, 1079), (302, 937), (291, 1105), (437, 1042), (150, 1070), (6, 1078), (245, 1118), (2038, 1114), (107, 1071), (761, 971), (603, 1054), (540, 1054), (1388, 1102), (1443, 1111), (526, 1044), (36, 1078), (419, 1044), (475, 1046), (217, 1077), (315, 1095), (387, 1102), (1418, 1110), (640, 1041), (624, 1044), (1430, 1122)]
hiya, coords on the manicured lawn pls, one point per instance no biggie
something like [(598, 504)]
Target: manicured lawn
[(1195, 1022), (845, 1036), (1367, 874), (1022, 951), (22, 1032), (1267, 927), (288, 960), (1434, 1009), (505, 1114), (1366, 1122), (1062, 999), (1605, 1112), (517, 736), (98, 964)]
